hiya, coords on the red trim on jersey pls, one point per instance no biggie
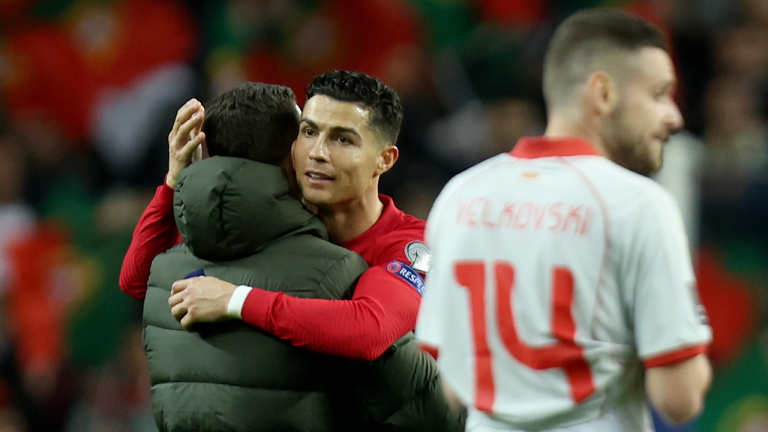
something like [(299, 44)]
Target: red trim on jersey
[(536, 147), (606, 230), (673, 357), (155, 233), (429, 349)]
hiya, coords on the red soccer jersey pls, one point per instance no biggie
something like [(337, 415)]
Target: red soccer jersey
[(382, 309), (389, 238)]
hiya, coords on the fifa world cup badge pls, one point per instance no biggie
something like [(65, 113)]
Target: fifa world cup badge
[(420, 256)]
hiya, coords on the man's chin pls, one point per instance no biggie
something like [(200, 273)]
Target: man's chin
[(655, 162), (317, 200)]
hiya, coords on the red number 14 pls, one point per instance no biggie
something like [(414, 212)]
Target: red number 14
[(564, 353)]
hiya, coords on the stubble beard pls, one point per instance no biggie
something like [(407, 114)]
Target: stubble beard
[(627, 147)]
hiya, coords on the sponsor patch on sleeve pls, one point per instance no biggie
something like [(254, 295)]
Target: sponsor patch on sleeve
[(408, 274)]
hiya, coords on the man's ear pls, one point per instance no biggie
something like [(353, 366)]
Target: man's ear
[(387, 159), (602, 93)]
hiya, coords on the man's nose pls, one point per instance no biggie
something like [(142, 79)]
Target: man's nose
[(319, 149), (674, 119)]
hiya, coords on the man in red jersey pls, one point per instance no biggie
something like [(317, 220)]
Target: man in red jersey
[(349, 144), (346, 141)]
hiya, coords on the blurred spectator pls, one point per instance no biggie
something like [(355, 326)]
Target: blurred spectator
[(681, 176), (16, 217), (117, 394), (17, 409), (104, 73), (736, 140)]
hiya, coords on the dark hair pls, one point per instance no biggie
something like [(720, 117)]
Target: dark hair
[(368, 92), (255, 121), (591, 35)]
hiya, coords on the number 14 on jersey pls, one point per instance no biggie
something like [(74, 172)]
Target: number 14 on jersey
[(564, 353)]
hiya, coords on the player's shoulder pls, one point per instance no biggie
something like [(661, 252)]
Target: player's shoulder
[(481, 169), (411, 225), (408, 230), (404, 242), (396, 223), (617, 180)]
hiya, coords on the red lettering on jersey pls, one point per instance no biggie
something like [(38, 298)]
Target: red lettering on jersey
[(520, 223), (508, 212), (587, 223), (467, 213), (539, 212), (573, 215), (554, 211), (487, 214), (529, 215)]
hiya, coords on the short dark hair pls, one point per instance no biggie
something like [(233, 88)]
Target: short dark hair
[(255, 121), (368, 92), (589, 36)]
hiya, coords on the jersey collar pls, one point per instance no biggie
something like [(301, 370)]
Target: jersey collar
[(387, 222), (536, 147)]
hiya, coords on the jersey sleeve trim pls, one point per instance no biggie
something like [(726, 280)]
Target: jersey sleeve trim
[(673, 357), (429, 349)]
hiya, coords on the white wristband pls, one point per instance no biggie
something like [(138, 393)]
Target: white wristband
[(236, 302)]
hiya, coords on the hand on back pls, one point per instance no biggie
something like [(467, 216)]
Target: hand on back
[(200, 299)]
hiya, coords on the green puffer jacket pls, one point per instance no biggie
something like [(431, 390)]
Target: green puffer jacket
[(403, 391), (240, 224)]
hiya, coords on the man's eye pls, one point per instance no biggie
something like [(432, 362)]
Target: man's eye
[(344, 140), (309, 131)]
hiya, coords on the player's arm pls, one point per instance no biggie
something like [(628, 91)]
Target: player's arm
[(156, 231), (382, 309), (669, 323), (678, 390)]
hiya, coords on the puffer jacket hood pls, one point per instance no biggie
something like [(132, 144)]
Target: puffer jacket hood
[(229, 208)]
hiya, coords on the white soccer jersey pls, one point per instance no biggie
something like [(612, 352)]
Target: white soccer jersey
[(556, 277)]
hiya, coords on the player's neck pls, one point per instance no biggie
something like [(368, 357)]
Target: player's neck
[(348, 220), (565, 126)]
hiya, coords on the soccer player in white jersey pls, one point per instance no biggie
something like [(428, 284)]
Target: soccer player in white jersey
[(561, 295)]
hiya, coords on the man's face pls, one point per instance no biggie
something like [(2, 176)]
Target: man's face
[(337, 157), (635, 133)]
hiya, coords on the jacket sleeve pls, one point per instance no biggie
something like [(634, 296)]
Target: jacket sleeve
[(403, 391), (155, 233), (382, 309)]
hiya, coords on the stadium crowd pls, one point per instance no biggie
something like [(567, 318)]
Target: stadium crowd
[(89, 89)]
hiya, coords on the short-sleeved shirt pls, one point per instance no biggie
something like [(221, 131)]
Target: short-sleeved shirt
[(556, 277)]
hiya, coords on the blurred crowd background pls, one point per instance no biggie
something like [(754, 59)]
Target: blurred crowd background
[(89, 90)]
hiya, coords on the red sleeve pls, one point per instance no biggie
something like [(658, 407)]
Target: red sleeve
[(155, 233), (382, 310)]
